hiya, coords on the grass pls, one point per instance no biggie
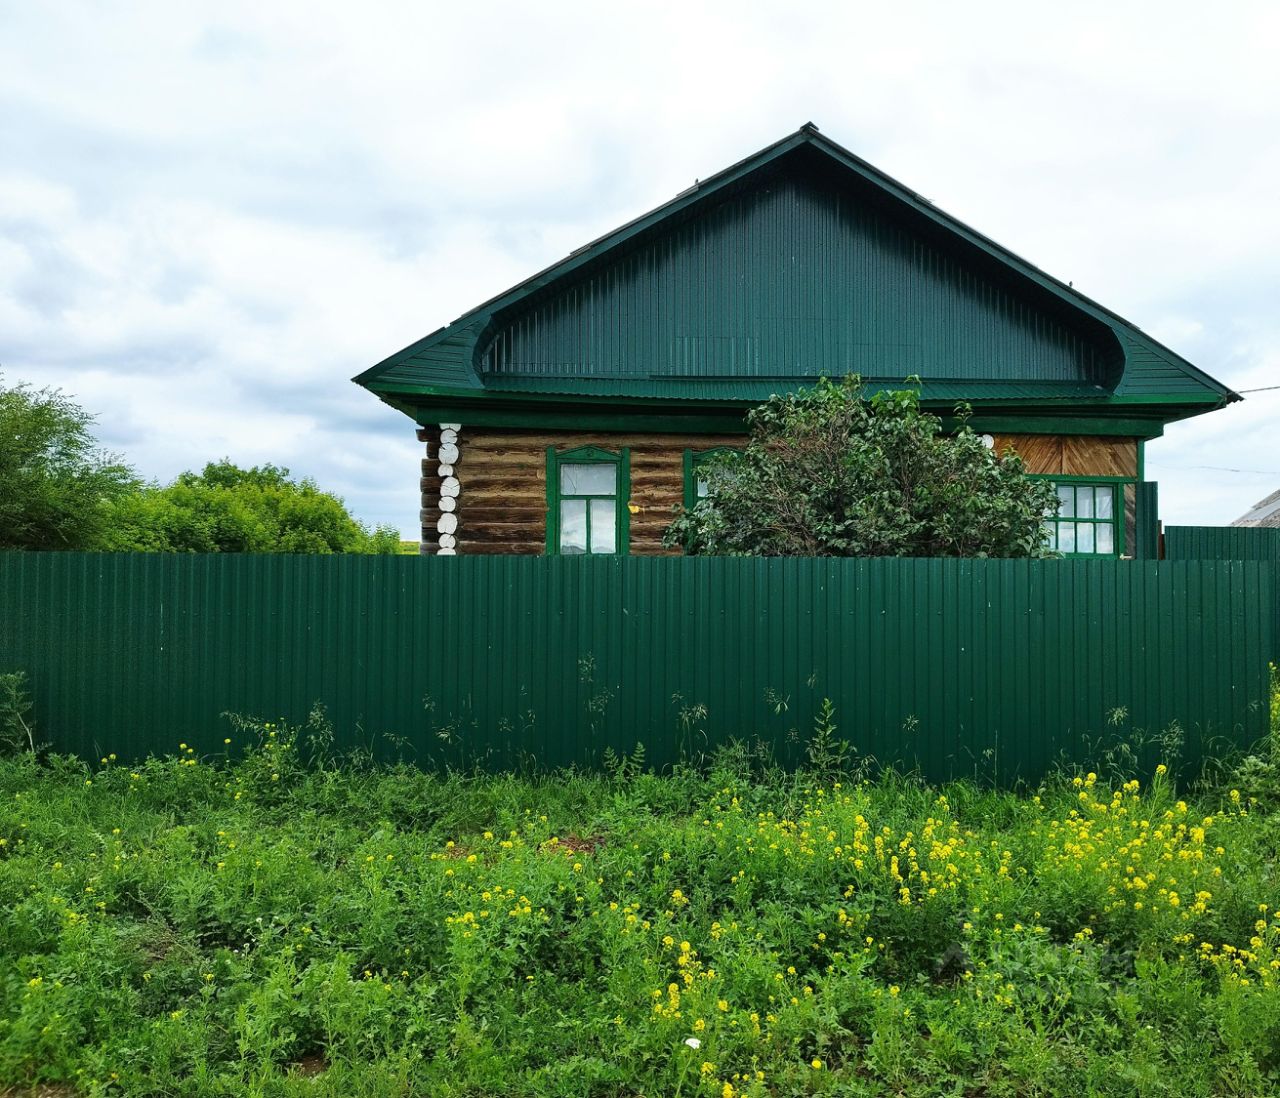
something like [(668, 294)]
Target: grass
[(262, 926)]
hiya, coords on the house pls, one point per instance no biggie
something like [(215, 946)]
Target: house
[(569, 413), (1265, 512)]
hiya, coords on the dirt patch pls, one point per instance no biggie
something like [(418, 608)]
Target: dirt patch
[(310, 1065), (574, 844)]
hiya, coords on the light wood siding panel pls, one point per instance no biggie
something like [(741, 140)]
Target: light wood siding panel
[(503, 501), (1110, 457), (1039, 453), (1074, 455)]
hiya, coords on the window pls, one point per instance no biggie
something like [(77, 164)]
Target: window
[(587, 492), (1088, 519), (695, 482)]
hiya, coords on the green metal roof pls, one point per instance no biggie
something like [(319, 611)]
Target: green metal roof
[(798, 262)]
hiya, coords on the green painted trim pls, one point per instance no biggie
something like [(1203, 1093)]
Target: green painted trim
[(553, 509), (1116, 521), (590, 455), (1059, 425), (692, 459), (1142, 459), (730, 421), (1072, 478)]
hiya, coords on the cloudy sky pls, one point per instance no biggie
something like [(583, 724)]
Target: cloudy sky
[(212, 216)]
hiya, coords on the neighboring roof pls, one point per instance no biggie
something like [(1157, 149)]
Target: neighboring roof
[(1147, 377), (1265, 513)]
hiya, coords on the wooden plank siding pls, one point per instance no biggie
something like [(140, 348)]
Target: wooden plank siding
[(502, 505), (1074, 455)]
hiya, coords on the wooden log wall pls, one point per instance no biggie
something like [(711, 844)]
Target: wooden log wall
[(502, 501)]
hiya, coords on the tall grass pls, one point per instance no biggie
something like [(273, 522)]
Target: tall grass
[(269, 925)]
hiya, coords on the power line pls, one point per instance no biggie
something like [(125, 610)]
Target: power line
[(1218, 468), (1264, 389)]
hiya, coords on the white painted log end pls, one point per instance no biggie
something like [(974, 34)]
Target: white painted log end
[(448, 541), (448, 503), (447, 523), (451, 426), (444, 471), (450, 487), (448, 437), (448, 454), (446, 552)]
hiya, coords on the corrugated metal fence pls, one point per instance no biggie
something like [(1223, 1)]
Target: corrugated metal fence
[(1227, 543), (994, 668)]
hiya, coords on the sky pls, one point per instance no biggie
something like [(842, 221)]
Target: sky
[(212, 216)]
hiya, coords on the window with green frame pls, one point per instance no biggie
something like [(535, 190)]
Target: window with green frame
[(587, 493), (1090, 518), (695, 483)]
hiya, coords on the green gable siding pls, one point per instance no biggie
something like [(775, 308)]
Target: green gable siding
[(802, 260), (440, 359), (796, 278), (1152, 371)]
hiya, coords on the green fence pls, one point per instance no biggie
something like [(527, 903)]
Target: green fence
[(994, 668), (1228, 543), (1222, 543)]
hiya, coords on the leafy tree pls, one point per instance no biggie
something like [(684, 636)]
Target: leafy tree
[(829, 471), (227, 509), (55, 483)]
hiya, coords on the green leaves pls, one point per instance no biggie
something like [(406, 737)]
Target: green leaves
[(55, 484), (227, 509), (830, 471)]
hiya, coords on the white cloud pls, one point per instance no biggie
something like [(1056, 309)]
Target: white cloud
[(211, 217)]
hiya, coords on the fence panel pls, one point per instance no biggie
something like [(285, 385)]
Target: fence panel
[(993, 668), (1259, 543)]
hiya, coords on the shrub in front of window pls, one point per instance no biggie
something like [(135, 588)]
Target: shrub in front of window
[(831, 471)]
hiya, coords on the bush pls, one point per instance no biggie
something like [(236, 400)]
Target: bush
[(227, 509), (829, 471)]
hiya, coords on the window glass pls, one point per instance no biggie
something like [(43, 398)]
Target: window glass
[(595, 478), (573, 526), (1085, 522), (604, 526), (584, 500)]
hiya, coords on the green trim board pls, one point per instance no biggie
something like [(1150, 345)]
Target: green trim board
[(692, 459), (1129, 370), (1088, 520), (1073, 478), (731, 420), (600, 500)]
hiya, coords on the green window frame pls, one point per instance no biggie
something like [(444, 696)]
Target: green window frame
[(1090, 520), (585, 502), (692, 460)]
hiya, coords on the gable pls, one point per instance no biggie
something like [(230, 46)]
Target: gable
[(798, 277), (799, 262)]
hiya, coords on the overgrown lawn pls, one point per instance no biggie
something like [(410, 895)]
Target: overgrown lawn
[(264, 927)]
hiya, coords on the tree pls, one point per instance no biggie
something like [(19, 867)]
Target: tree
[(55, 483), (227, 509), (829, 471)]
